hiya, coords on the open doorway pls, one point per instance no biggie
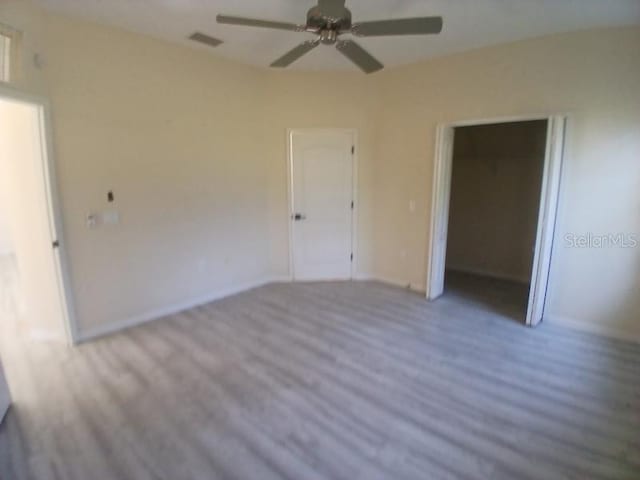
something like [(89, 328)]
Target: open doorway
[(36, 302), (496, 186), (496, 178)]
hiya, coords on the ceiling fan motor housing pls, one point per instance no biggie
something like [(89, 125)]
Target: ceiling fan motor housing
[(328, 19)]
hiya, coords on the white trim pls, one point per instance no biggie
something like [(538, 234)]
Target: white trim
[(548, 210), (354, 193), (160, 313), (290, 200), (112, 328), (363, 276), (356, 202), (397, 283), (485, 273), (594, 328), (43, 335), (439, 221), (441, 192), (505, 119), (12, 55), (61, 258), (156, 314)]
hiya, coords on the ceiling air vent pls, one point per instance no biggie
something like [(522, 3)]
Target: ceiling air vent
[(206, 39)]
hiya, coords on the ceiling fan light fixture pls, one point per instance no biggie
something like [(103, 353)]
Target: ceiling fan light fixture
[(329, 20), (328, 37)]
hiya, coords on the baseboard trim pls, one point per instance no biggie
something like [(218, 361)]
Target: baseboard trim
[(42, 335), (398, 283), (149, 316), (363, 277), (597, 329), (115, 327), (278, 279), (497, 276)]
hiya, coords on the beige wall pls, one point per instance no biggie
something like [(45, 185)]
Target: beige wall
[(21, 193), (495, 196), (320, 100), (194, 148), (174, 134), (593, 76)]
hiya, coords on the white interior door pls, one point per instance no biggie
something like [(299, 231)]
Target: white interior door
[(25, 192), (546, 220), (322, 204)]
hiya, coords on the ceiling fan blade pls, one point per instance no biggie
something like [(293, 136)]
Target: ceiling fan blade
[(400, 26), (252, 22), (293, 55), (359, 56)]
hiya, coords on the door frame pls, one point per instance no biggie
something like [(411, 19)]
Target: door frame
[(354, 192), (548, 206), (54, 210)]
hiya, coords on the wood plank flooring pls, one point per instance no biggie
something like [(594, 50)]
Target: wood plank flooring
[(352, 380)]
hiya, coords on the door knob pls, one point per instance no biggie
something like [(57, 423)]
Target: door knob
[(299, 216)]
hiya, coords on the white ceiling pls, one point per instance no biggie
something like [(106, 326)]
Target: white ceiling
[(468, 24)]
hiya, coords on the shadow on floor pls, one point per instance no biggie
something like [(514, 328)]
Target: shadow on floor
[(505, 298)]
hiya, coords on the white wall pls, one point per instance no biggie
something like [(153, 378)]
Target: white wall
[(495, 196)]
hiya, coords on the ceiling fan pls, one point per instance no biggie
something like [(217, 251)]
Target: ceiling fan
[(329, 20)]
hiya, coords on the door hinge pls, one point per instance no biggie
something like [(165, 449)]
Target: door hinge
[(352, 257), (353, 149), (351, 204), (55, 244)]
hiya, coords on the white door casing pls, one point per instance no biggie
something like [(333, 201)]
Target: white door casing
[(441, 188), (321, 204), (441, 192), (546, 220)]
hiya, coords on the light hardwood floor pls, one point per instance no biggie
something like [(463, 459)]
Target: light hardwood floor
[(353, 380)]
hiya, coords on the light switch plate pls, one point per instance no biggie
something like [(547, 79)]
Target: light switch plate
[(111, 217)]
